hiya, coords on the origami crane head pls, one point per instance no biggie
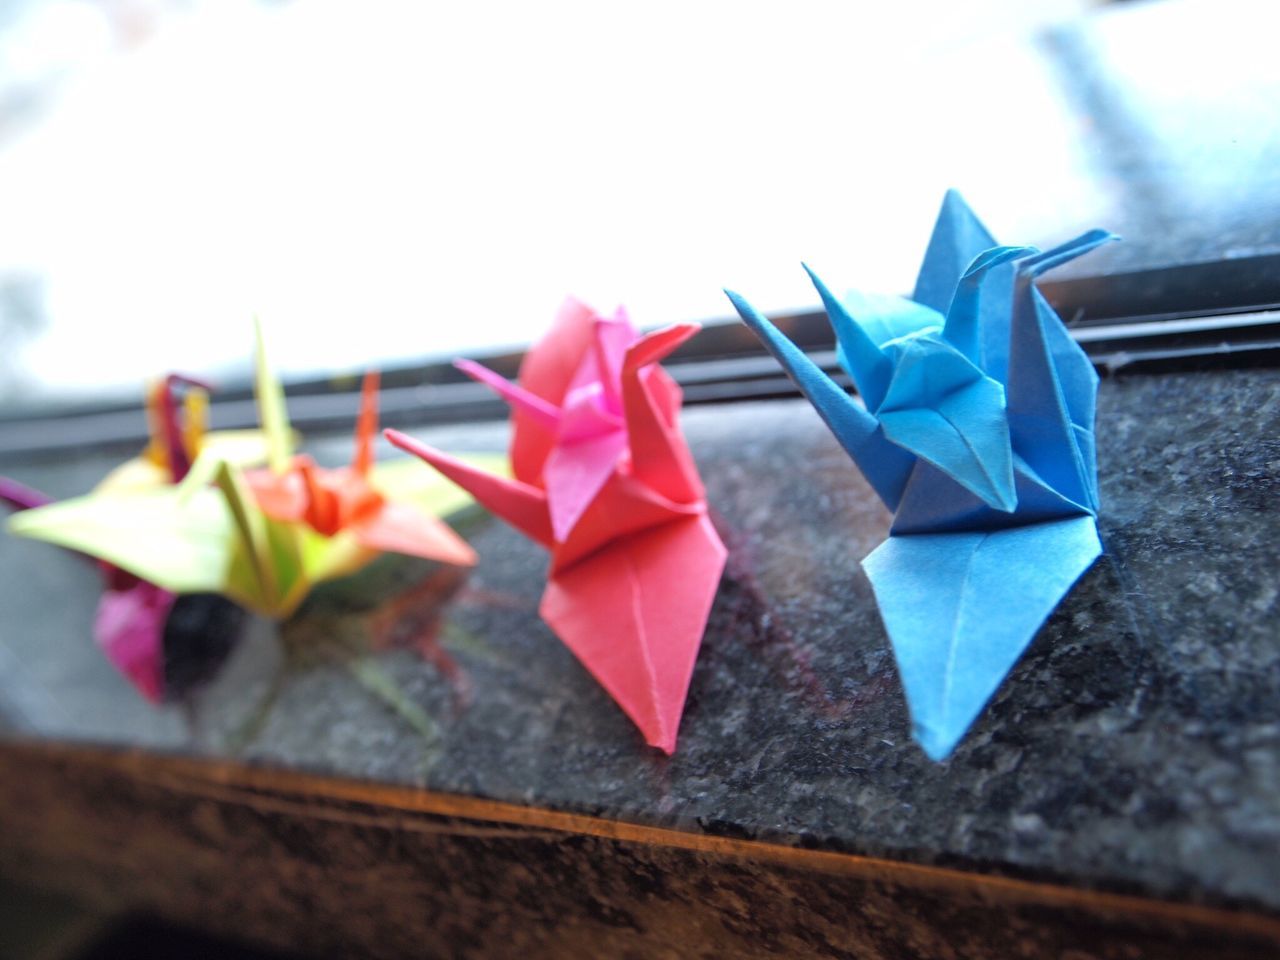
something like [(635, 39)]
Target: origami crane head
[(976, 428), (176, 439), (603, 479)]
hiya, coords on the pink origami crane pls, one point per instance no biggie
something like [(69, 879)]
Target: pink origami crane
[(604, 479)]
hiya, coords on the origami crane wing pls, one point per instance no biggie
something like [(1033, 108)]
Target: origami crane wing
[(243, 448), (184, 539), (182, 545), (958, 237), (962, 607), (634, 615), (942, 408), (197, 538), (129, 628)]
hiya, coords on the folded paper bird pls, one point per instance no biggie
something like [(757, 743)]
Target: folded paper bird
[(976, 428), (133, 613), (262, 539), (603, 479)]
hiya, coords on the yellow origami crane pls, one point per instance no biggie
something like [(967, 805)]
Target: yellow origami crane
[(263, 538)]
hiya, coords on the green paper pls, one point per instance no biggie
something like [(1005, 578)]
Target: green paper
[(197, 538), (272, 412)]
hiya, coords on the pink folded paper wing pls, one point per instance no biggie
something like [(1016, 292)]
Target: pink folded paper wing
[(660, 458), (605, 480), (634, 614), (129, 627), (131, 615), (548, 369), (522, 506)]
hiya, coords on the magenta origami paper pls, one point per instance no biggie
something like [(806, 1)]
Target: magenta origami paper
[(129, 623)]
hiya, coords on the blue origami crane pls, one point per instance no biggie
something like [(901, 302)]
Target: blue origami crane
[(976, 430)]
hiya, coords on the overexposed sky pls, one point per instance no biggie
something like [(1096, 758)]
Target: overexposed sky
[(383, 182)]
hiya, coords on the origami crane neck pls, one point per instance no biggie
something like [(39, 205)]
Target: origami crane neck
[(175, 442), (333, 499), (336, 498), (963, 328)]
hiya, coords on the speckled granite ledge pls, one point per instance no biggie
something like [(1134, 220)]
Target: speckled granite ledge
[(1135, 750)]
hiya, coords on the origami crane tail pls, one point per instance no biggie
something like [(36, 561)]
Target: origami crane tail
[(660, 458), (522, 506), (1051, 384), (870, 368), (885, 465), (634, 615), (960, 609)]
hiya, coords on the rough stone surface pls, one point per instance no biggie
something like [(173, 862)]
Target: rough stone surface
[(1136, 747), (337, 878)]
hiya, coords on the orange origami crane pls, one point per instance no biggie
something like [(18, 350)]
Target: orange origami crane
[(332, 500), (604, 479)]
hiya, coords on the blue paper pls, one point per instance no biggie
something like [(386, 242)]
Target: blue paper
[(976, 430)]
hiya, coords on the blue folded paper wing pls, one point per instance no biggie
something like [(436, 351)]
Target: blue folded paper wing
[(976, 430)]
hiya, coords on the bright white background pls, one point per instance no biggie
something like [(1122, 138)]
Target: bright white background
[(383, 182)]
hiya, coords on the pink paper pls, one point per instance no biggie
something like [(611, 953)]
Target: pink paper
[(603, 477), (129, 627)]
